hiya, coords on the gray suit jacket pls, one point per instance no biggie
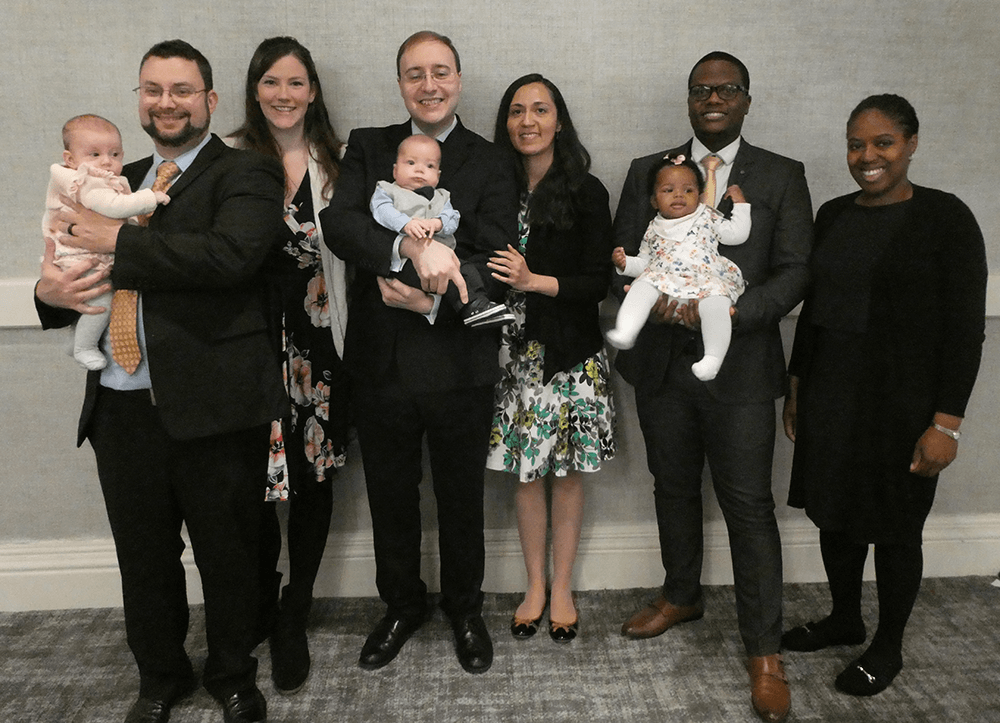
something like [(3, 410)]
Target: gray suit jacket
[(773, 261)]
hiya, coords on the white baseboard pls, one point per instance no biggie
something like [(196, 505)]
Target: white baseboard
[(59, 574)]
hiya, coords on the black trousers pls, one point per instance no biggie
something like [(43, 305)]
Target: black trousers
[(392, 423), (682, 425), (152, 484)]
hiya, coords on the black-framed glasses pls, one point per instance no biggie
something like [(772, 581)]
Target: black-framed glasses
[(726, 91), (177, 92)]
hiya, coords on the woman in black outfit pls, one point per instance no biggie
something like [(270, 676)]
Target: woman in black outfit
[(885, 356)]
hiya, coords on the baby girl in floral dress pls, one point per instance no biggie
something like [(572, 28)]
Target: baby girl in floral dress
[(679, 257)]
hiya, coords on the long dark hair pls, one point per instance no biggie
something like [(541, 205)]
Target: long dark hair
[(255, 134), (552, 200)]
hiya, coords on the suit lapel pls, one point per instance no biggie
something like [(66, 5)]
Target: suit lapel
[(202, 161), (454, 152), (135, 172)]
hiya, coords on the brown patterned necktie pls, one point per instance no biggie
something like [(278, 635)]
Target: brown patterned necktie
[(124, 304), (710, 163)]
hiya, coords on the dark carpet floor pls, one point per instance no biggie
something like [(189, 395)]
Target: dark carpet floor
[(73, 666)]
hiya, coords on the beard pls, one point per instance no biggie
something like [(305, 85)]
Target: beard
[(185, 135)]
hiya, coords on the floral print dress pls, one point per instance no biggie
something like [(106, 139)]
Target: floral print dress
[(310, 445), (565, 425)]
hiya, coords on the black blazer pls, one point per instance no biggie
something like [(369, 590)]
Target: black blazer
[(773, 261), (580, 258), (445, 355), (212, 364)]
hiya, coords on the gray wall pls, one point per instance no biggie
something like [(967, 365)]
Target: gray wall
[(622, 67)]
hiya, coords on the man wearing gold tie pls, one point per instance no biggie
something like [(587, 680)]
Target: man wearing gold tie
[(730, 421), (179, 420)]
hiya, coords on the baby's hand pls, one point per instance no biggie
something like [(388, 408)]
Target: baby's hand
[(618, 258), (161, 197), (414, 228), (736, 194)]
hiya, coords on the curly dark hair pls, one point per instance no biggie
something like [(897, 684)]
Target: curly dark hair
[(551, 202), (671, 159), (255, 134)]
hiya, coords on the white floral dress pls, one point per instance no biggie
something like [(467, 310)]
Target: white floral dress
[(682, 255), (565, 425)]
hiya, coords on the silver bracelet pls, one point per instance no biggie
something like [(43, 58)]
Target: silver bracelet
[(953, 433)]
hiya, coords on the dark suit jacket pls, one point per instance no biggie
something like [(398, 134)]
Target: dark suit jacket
[(773, 261), (580, 259), (446, 355), (212, 364)]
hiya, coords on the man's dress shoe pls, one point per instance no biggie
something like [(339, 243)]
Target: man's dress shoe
[(769, 692), (245, 706), (658, 617), (386, 640), (472, 644), (157, 710)]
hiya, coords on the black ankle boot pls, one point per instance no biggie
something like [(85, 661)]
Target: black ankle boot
[(289, 646)]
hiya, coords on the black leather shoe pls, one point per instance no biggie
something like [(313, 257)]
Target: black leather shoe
[(246, 706), (386, 640), (289, 645), (472, 644), (153, 710)]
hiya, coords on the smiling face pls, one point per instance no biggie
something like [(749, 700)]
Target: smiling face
[(878, 156), (176, 125), (97, 146), (717, 122), (430, 85), (532, 121), (284, 94), (675, 193), (418, 163)]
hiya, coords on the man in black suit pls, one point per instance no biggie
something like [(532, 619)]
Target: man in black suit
[(183, 438), (423, 374), (730, 420)]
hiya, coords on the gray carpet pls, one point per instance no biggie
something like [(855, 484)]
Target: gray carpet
[(74, 666)]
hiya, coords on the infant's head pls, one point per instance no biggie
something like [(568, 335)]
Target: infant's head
[(418, 163), (675, 186), (94, 140)]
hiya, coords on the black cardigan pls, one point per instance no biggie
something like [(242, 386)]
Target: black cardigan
[(580, 259)]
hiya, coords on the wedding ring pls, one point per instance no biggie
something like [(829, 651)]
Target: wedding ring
[(69, 229)]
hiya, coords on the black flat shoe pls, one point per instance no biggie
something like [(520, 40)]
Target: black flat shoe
[(386, 640), (523, 629), (811, 637), (472, 644), (864, 678), (563, 632)]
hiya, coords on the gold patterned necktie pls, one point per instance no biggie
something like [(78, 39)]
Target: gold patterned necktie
[(710, 163), (125, 302)]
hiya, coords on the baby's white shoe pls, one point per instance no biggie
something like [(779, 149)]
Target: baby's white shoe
[(92, 359), (707, 368), (620, 340)]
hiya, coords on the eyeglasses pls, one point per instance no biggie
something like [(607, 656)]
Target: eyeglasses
[(177, 92), (726, 91), (438, 75)]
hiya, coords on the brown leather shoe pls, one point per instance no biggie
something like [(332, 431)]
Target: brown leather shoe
[(769, 687), (658, 617)]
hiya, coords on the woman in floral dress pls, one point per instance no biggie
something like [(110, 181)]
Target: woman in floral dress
[(554, 418), (287, 118)]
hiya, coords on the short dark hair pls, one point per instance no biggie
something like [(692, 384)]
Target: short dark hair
[(727, 57), (181, 49), (671, 160), (895, 107), (421, 36)]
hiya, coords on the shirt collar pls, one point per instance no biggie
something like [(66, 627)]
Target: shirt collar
[(185, 159), (440, 137), (727, 154)]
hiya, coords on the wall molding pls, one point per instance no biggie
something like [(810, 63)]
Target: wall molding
[(60, 574)]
